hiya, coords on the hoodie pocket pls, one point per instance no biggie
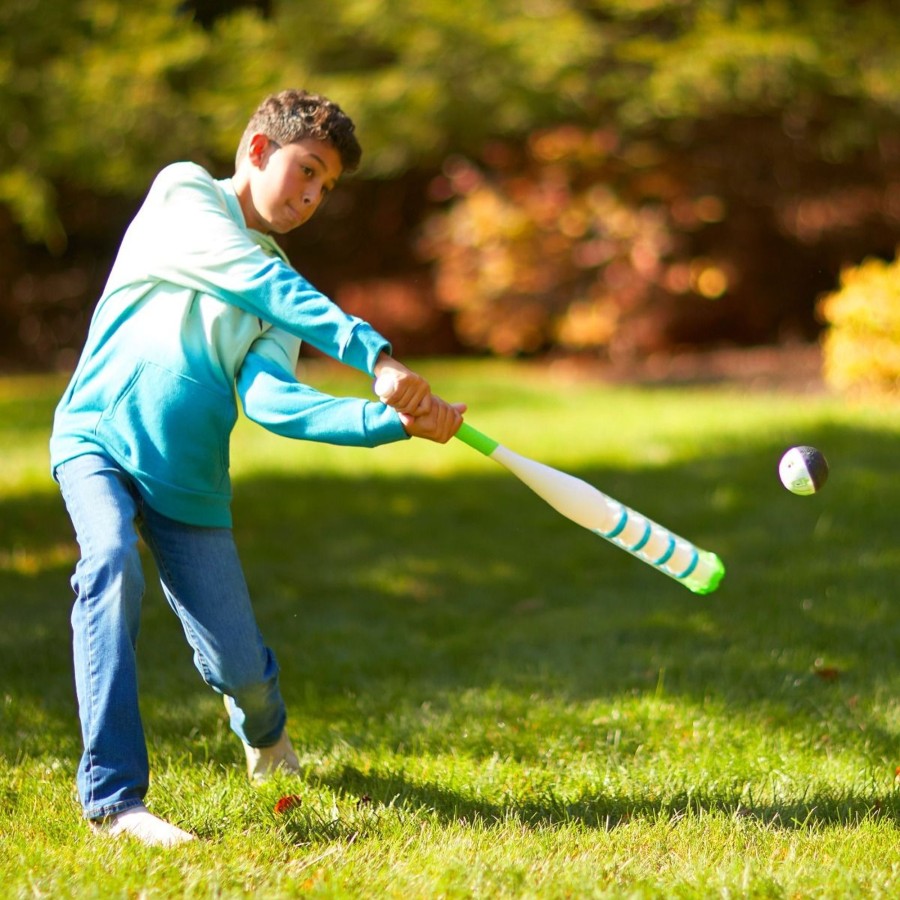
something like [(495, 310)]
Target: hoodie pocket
[(169, 428)]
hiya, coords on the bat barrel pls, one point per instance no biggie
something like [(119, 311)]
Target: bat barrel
[(698, 570)]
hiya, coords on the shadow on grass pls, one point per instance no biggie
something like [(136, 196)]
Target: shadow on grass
[(383, 595), (395, 792)]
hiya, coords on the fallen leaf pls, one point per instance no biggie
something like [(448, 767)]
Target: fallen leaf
[(828, 673), (287, 802)]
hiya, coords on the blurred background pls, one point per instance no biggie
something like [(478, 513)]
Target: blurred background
[(612, 181)]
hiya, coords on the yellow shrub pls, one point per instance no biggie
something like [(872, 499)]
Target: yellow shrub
[(862, 342)]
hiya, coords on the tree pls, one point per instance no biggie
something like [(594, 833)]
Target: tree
[(101, 92), (783, 112)]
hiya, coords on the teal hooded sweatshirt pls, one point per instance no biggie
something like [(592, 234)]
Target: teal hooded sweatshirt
[(199, 307)]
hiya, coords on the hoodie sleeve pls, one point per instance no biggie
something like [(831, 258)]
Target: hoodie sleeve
[(190, 233), (272, 397)]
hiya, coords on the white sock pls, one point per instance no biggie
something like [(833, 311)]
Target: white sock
[(140, 823)]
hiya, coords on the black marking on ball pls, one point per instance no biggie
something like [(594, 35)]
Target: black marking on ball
[(816, 465)]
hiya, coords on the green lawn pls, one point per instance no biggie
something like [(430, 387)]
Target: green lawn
[(487, 700)]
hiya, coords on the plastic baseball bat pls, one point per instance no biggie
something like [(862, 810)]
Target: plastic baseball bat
[(698, 570)]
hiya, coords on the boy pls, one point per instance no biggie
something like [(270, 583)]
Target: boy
[(201, 301)]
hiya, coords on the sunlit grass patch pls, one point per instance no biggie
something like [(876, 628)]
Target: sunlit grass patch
[(486, 699)]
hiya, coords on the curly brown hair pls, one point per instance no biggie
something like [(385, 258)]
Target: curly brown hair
[(294, 115)]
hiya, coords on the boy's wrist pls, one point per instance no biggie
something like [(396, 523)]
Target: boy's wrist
[(384, 363)]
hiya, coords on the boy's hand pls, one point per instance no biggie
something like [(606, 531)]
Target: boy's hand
[(439, 424), (401, 388)]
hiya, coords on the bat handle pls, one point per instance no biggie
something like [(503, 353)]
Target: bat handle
[(476, 440)]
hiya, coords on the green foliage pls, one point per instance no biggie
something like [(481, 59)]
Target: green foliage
[(821, 66), (27, 43), (102, 93), (128, 72), (108, 92), (862, 343), (448, 76), (489, 701)]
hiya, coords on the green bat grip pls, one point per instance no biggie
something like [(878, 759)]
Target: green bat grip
[(476, 440)]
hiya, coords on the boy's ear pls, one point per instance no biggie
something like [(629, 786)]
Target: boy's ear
[(258, 149)]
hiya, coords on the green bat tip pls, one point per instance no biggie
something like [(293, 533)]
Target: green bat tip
[(713, 578)]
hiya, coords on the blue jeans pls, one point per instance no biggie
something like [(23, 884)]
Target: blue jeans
[(202, 579)]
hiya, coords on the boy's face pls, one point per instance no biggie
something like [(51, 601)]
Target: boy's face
[(288, 183)]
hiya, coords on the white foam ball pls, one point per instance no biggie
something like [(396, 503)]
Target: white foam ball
[(803, 470)]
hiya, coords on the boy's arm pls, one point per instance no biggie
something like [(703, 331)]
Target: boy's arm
[(186, 233), (272, 397)]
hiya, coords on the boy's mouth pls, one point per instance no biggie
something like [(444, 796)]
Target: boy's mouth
[(296, 217)]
